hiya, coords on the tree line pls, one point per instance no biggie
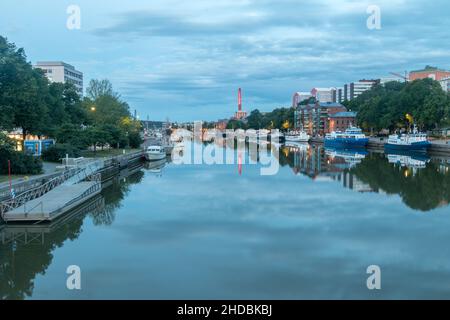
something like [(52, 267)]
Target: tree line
[(30, 102), (396, 105), (280, 118)]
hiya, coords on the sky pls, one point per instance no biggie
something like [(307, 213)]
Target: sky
[(185, 60)]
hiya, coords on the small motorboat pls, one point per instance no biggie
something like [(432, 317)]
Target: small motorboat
[(297, 136), (154, 153)]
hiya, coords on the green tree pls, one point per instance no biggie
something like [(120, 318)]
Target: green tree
[(386, 107), (23, 91), (255, 120), (100, 88)]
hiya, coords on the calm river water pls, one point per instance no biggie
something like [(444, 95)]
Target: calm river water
[(198, 231)]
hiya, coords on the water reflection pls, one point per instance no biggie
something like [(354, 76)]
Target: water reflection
[(206, 232), (422, 183), (26, 250)]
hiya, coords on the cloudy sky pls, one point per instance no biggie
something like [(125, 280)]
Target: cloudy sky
[(186, 59)]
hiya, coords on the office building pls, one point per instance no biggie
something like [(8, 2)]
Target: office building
[(58, 71), (324, 94)]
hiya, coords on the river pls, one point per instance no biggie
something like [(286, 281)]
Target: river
[(218, 231)]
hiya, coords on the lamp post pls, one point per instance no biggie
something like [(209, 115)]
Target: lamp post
[(9, 176)]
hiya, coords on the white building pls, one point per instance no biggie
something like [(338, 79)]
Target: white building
[(300, 97), (355, 89), (362, 86), (58, 71), (385, 80), (445, 84), (324, 94)]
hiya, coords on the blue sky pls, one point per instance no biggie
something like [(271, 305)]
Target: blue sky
[(186, 59)]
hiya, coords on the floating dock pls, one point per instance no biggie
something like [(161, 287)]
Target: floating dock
[(54, 203), (48, 198)]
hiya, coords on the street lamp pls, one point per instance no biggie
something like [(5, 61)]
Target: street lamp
[(93, 109)]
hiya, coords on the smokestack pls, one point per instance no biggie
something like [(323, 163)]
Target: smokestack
[(240, 100)]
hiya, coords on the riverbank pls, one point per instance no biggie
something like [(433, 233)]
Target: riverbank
[(437, 148)]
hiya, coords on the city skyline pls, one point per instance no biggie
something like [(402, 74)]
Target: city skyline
[(186, 61)]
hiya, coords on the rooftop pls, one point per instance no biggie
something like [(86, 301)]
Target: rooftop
[(429, 68), (323, 105), (331, 105), (54, 64), (345, 114)]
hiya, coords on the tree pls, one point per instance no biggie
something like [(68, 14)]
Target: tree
[(11, 59), (72, 135), (236, 124), (255, 120), (310, 100), (99, 88), (30, 108), (117, 136), (386, 107), (96, 137), (23, 91)]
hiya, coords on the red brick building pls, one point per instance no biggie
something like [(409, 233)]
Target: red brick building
[(429, 72), (315, 118), (342, 120)]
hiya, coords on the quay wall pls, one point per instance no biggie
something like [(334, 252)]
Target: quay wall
[(377, 144)]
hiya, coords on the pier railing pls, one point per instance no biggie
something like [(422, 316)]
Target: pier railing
[(36, 192), (68, 177), (95, 188)]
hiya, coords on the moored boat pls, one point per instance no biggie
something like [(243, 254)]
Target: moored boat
[(154, 153), (411, 142), (297, 136), (353, 137)]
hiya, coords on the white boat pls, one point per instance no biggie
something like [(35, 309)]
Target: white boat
[(297, 136), (154, 153), (415, 141)]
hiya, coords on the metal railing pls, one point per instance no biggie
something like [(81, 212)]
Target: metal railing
[(68, 177), (37, 192), (97, 186)]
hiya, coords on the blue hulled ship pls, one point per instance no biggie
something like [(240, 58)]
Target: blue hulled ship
[(353, 137), (409, 142)]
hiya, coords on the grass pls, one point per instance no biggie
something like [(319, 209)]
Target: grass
[(107, 153), (4, 178)]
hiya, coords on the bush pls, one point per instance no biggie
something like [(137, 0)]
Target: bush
[(58, 151), (21, 163), (135, 140)]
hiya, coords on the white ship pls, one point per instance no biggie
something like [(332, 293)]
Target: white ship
[(297, 136), (154, 153)]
